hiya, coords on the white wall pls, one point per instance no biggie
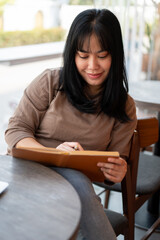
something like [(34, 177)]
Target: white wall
[(21, 15)]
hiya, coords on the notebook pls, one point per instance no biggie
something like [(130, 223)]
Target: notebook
[(3, 186), (84, 161)]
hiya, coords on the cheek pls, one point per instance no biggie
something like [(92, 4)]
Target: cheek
[(107, 65), (80, 65)]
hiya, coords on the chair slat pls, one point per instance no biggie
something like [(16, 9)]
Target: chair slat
[(147, 131)]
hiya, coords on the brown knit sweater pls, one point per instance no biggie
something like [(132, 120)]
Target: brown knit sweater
[(46, 115)]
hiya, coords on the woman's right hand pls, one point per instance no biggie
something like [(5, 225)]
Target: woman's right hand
[(70, 146)]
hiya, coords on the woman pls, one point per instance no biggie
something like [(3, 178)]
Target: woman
[(84, 105)]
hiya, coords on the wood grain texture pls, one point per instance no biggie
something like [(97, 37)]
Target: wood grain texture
[(38, 204), (148, 131)]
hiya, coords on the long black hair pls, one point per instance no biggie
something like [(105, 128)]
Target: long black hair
[(104, 24)]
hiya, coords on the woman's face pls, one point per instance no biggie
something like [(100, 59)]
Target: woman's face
[(93, 63)]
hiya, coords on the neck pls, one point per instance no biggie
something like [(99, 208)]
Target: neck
[(93, 90)]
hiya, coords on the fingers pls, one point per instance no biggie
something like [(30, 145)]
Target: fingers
[(111, 178), (70, 146), (76, 146), (114, 170), (113, 163)]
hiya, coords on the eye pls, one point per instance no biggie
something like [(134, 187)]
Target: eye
[(82, 55), (104, 55)]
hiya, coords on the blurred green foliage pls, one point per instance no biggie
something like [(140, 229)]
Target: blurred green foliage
[(19, 38)]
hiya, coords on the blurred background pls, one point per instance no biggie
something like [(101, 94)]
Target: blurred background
[(33, 33)]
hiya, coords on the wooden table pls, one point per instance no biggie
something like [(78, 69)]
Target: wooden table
[(147, 97), (39, 204)]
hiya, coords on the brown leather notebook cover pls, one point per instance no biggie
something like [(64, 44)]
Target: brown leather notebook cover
[(84, 161)]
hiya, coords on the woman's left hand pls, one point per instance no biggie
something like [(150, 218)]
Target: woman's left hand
[(114, 170)]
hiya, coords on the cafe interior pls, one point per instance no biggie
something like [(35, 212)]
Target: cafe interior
[(132, 206)]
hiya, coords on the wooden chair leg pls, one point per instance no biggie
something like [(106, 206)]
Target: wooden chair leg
[(106, 200), (131, 229), (151, 229), (106, 197)]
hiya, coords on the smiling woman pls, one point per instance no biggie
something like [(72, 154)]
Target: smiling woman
[(84, 105)]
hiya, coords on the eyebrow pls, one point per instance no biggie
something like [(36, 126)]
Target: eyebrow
[(81, 50)]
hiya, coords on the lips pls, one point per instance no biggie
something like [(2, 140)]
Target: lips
[(94, 76)]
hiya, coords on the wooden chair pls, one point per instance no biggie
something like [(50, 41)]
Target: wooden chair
[(134, 189)]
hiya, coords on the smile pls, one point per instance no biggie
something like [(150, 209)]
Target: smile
[(94, 76)]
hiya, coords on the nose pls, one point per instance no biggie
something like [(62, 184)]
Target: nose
[(93, 63)]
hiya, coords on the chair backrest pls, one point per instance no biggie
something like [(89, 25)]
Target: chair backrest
[(146, 134), (147, 131)]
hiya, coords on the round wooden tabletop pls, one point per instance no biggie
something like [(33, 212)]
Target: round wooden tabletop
[(38, 203)]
